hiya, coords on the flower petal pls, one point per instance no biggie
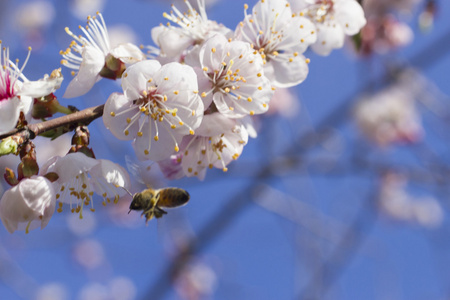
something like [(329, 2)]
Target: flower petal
[(118, 110), (93, 62)]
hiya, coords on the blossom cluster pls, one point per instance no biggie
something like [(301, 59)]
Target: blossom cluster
[(186, 104), (189, 107)]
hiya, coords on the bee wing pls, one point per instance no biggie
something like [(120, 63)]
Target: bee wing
[(140, 172), (173, 197)]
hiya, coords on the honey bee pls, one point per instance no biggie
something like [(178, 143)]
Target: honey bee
[(150, 201)]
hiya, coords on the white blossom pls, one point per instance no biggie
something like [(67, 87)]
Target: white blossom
[(398, 203), (28, 205), (193, 29), (334, 20), (232, 76), (280, 39), (17, 92), (159, 106), (389, 116), (219, 140), (79, 177), (92, 57)]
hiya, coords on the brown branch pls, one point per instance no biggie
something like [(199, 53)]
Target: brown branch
[(84, 117)]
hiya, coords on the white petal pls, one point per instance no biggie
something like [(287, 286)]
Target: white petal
[(117, 104), (289, 73), (215, 124), (9, 114), (135, 78), (170, 40), (92, 64), (350, 16), (157, 150), (107, 176), (128, 53), (329, 36), (71, 165), (32, 200), (42, 87), (204, 86), (175, 76), (111, 172)]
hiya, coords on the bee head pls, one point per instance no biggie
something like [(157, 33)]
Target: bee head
[(137, 202)]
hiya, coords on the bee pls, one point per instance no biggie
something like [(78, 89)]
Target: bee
[(150, 201)]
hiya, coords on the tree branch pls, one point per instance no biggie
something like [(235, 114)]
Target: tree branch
[(84, 117)]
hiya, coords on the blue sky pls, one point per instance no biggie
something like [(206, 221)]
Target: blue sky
[(255, 253)]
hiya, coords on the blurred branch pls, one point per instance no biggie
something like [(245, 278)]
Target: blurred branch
[(344, 252)]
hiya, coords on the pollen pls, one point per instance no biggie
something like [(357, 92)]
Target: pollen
[(146, 152), (176, 148), (173, 126), (126, 132), (156, 138), (139, 134), (213, 50), (252, 113), (128, 120), (113, 114), (191, 132)]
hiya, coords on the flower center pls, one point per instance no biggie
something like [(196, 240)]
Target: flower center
[(6, 86), (321, 11)]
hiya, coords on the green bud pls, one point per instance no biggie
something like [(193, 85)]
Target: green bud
[(8, 146)]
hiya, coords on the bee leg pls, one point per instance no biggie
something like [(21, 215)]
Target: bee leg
[(159, 212), (148, 216)]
